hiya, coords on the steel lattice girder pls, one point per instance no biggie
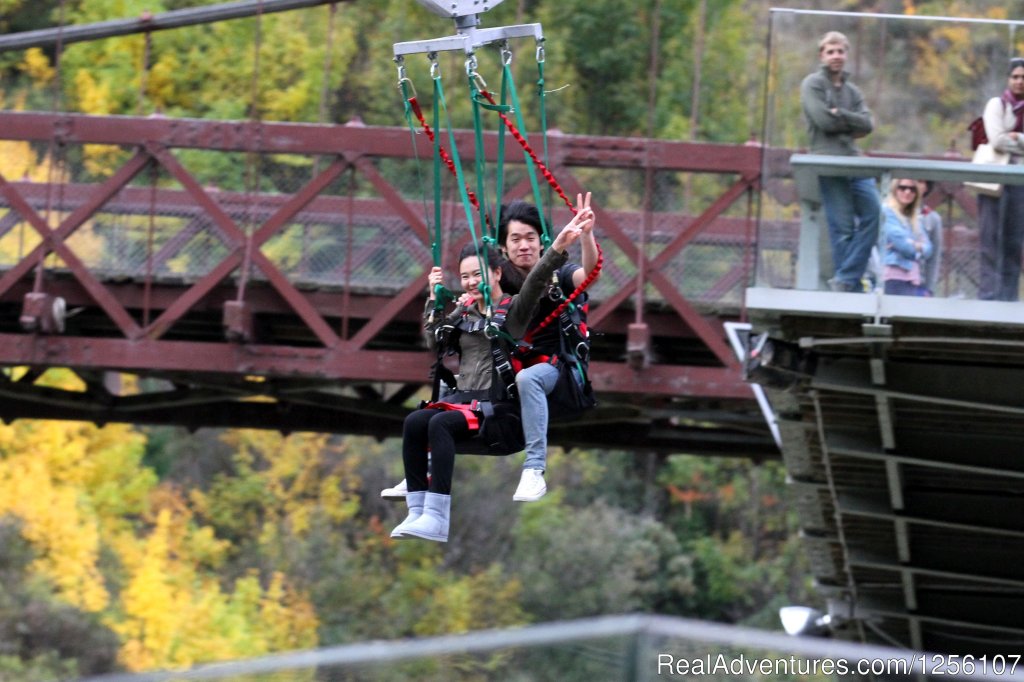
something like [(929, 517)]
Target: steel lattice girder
[(143, 326)]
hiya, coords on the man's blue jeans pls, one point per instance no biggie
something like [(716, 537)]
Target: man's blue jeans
[(852, 209), (534, 383)]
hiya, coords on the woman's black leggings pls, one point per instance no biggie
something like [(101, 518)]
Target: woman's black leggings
[(436, 430)]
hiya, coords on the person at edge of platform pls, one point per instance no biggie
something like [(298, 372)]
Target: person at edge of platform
[(836, 116), (907, 246), (519, 233), (1001, 219), (931, 224), (439, 426)]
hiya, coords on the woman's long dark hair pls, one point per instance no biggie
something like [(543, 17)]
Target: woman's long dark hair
[(511, 281)]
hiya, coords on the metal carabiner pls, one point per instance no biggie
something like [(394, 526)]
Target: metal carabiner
[(478, 81), (540, 51), (435, 68), (506, 54), (403, 79)]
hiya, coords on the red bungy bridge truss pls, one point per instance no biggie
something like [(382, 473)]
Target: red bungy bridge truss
[(295, 305)]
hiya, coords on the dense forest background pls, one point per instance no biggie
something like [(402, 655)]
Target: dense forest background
[(131, 548)]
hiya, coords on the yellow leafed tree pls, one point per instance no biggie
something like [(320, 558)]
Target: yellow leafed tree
[(79, 489), (175, 615), (49, 472)]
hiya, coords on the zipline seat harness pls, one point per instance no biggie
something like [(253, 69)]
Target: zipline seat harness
[(508, 355)]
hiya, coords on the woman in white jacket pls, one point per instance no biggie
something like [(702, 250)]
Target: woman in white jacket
[(1001, 220)]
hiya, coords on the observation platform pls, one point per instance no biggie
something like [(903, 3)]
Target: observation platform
[(899, 420)]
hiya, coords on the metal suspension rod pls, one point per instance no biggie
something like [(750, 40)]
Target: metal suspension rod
[(157, 22)]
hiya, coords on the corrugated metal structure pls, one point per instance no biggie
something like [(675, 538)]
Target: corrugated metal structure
[(900, 423)]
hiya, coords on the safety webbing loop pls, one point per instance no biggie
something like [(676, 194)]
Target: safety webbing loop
[(456, 164), (499, 179), (480, 165), (441, 294), (553, 182), (542, 106), (545, 233)]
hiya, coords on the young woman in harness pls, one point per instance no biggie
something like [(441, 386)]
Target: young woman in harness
[(438, 427)]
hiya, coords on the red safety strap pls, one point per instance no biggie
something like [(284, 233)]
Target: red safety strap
[(443, 152), (545, 171), (467, 410)]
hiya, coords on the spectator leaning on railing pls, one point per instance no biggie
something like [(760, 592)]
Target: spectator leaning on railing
[(836, 116)]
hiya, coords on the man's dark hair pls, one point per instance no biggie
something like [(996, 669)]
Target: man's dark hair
[(522, 211)]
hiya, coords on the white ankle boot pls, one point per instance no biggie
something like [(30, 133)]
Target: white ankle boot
[(433, 524), (415, 502)]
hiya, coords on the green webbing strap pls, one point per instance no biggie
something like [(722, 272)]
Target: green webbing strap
[(480, 164), (499, 179), (485, 287), (441, 293), (403, 85), (542, 104), (436, 245), (531, 167), (476, 84)]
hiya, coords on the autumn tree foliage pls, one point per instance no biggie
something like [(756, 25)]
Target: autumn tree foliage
[(135, 548), (111, 540)]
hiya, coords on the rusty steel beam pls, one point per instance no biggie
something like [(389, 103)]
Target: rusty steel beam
[(383, 141), (331, 209), (147, 23), (82, 213), (52, 241), (144, 355), (245, 248), (711, 333), (341, 364), (263, 300), (303, 334), (342, 416)]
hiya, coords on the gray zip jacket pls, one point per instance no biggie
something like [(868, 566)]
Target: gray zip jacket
[(834, 133)]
